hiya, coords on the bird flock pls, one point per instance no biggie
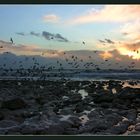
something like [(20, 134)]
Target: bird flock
[(73, 61)]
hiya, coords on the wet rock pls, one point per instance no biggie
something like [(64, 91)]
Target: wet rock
[(56, 129), (129, 93), (96, 125), (104, 98), (94, 114), (75, 98), (1, 116), (76, 121), (120, 128), (8, 123), (67, 110), (35, 125), (132, 115), (80, 107), (70, 131), (105, 105), (137, 127), (14, 104)]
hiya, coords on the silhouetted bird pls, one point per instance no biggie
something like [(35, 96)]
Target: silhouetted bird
[(83, 42), (1, 46), (11, 40)]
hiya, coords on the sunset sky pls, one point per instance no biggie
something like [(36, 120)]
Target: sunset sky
[(34, 28)]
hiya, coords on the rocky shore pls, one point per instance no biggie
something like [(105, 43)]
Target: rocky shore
[(69, 108)]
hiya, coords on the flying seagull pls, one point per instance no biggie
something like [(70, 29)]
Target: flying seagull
[(83, 42), (11, 40)]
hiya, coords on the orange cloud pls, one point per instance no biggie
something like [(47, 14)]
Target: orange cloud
[(106, 55), (130, 49), (131, 30), (52, 18), (110, 13)]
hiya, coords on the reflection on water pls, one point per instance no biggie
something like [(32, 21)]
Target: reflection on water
[(135, 85), (83, 93)]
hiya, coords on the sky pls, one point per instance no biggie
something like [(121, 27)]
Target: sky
[(36, 28)]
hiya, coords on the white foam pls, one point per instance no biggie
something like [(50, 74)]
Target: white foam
[(65, 117), (83, 93)]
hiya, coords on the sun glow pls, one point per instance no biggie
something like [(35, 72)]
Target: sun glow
[(106, 55), (130, 53)]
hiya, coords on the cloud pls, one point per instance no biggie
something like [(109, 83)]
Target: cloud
[(21, 33), (47, 35), (109, 13), (52, 18), (131, 49), (58, 37), (131, 30), (106, 55), (34, 34), (102, 41), (107, 41)]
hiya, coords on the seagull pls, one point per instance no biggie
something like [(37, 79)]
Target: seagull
[(83, 42), (11, 40)]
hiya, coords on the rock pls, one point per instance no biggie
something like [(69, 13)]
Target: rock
[(94, 114), (3, 132), (96, 125), (35, 125), (134, 133), (129, 93), (105, 105), (67, 111), (1, 116), (56, 129), (137, 127), (132, 115), (8, 123), (75, 98), (119, 129), (104, 98), (76, 121), (80, 107), (14, 104), (71, 131)]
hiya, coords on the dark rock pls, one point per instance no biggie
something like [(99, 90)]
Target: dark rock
[(67, 111), (8, 123), (119, 129), (75, 98), (129, 93), (137, 127), (80, 107), (14, 104), (132, 115), (103, 98), (71, 131), (1, 116), (94, 114), (76, 121), (56, 129), (96, 125), (105, 105)]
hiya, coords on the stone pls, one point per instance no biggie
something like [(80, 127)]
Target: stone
[(137, 127), (8, 123), (1, 116), (13, 104)]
